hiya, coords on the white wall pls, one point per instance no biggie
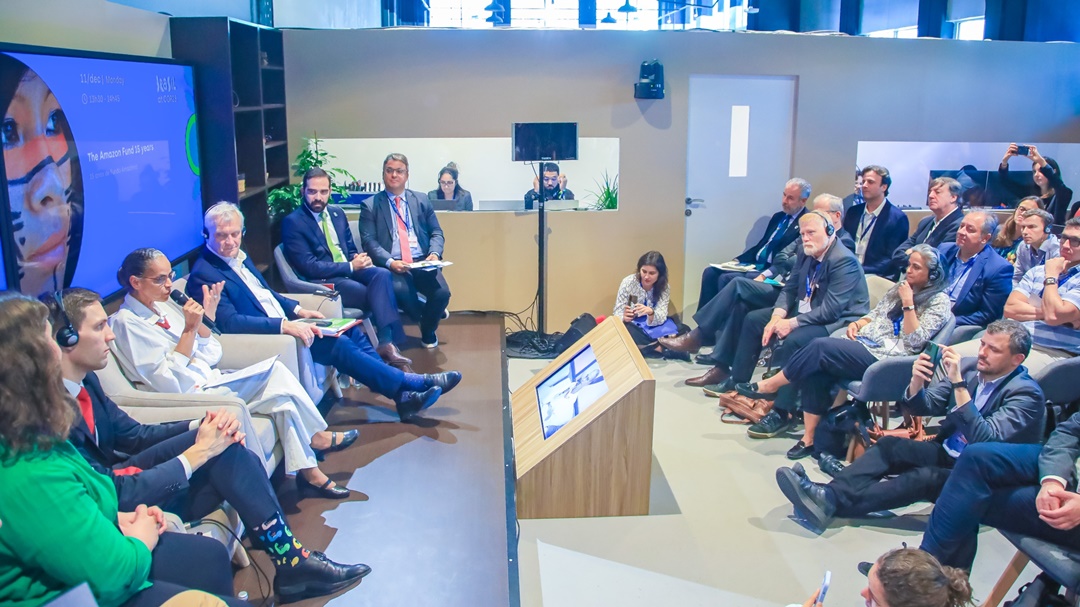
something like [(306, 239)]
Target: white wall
[(237, 9), (91, 25), (329, 14)]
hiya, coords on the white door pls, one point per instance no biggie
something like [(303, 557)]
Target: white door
[(739, 149)]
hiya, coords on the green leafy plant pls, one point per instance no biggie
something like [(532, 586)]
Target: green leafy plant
[(608, 196), (285, 199)]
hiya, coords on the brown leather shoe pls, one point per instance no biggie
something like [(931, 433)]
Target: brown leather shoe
[(690, 342), (714, 375), (392, 356)]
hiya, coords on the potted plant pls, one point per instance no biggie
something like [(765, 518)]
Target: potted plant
[(283, 200), (608, 196)]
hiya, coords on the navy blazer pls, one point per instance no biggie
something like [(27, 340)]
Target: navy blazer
[(982, 299), (238, 311), (305, 244), (1013, 415), (790, 234), (945, 232), (890, 229), (119, 437), (1062, 450), (841, 295), (377, 227)]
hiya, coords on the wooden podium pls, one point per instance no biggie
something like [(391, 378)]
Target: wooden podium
[(599, 463)]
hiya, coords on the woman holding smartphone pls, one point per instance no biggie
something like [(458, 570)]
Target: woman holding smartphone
[(1056, 196), (642, 301)]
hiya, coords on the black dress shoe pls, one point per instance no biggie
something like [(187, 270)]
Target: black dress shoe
[(830, 465), (446, 380), (865, 567), (772, 424), (798, 469), (325, 490), (800, 451), (347, 438), (715, 390), (811, 500), (750, 390), (411, 403), (316, 576)]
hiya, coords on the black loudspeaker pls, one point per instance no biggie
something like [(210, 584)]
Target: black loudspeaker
[(578, 328), (650, 84)]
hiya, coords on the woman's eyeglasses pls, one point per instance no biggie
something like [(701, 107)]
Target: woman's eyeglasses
[(446, 183), (160, 280)]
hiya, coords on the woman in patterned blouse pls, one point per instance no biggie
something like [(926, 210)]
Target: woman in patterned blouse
[(900, 325), (643, 299)]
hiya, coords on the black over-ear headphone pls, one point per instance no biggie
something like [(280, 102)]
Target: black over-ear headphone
[(829, 228), (66, 335)]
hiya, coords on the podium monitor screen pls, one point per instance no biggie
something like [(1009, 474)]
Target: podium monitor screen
[(537, 141), (568, 391)]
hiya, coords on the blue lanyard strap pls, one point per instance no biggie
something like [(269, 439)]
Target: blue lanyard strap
[(407, 218), (866, 227), (811, 281)]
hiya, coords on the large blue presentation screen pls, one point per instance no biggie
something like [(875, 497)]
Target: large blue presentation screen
[(100, 157)]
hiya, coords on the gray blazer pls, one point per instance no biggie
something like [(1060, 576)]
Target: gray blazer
[(1013, 415), (1059, 454), (377, 226), (840, 297)]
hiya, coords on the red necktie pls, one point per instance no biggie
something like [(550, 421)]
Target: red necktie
[(87, 409), (163, 323), (403, 232)]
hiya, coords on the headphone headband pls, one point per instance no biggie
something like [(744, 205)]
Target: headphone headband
[(829, 228)]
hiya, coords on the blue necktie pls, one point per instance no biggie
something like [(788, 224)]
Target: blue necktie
[(763, 254)]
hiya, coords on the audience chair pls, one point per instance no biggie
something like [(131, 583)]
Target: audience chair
[(295, 284), (965, 333), (1060, 563), (877, 288)]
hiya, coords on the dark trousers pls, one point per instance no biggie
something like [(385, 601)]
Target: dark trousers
[(993, 484), (187, 562), (713, 280), (372, 290), (235, 476), (817, 367), (743, 357), (739, 296), (353, 355), (920, 468), (433, 286)]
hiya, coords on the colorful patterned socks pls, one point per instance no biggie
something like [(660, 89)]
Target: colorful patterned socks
[(278, 541)]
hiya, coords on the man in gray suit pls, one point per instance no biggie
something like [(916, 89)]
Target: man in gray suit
[(1028, 489), (992, 400), (398, 227)]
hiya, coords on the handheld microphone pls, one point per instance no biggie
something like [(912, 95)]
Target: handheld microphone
[(329, 294), (182, 299)]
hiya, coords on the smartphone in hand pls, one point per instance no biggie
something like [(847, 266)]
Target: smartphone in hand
[(824, 587), (934, 350), (1022, 150), (633, 301)]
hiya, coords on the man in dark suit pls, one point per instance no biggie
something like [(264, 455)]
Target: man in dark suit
[(1028, 489), (722, 317), (979, 279), (825, 290), (992, 400), (319, 246), (187, 468), (877, 225), (399, 227), (248, 305), (943, 200)]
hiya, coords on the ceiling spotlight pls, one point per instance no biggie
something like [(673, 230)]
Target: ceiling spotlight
[(608, 19), (627, 8), (494, 7)]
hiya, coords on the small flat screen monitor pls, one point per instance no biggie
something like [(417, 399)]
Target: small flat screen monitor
[(568, 391), (100, 158), (988, 189), (537, 141)]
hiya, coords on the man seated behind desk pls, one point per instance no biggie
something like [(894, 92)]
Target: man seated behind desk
[(248, 305), (979, 280), (743, 294), (993, 400), (554, 184), (398, 215), (187, 468), (319, 245), (943, 200), (877, 225), (783, 229)]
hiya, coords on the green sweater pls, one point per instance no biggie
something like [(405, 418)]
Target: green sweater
[(59, 530)]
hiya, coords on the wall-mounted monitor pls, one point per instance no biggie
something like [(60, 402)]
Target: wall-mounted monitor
[(100, 157), (537, 141), (568, 391)]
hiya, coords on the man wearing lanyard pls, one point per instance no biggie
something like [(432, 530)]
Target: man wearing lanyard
[(1047, 301), (979, 280), (943, 199), (398, 227), (878, 226), (992, 400), (1039, 244)]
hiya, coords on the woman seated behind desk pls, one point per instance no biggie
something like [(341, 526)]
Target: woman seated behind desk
[(61, 524), (168, 351), (643, 300), (450, 189)]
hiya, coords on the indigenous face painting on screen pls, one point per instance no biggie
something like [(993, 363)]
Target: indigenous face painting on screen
[(43, 179)]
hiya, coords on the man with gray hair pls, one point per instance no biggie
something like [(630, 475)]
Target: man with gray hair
[(989, 399), (979, 279), (943, 200), (783, 229)]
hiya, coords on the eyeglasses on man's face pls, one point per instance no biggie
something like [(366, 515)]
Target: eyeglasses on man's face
[(395, 171), (161, 280)]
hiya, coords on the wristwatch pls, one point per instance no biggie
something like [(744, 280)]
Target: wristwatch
[(959, 384), (1050, 280), (908, 308)]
